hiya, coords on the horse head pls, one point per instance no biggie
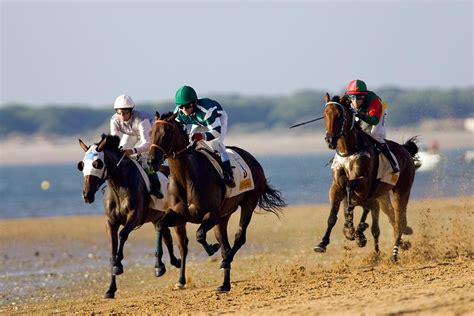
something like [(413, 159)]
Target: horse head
[(168, 139), (93, 165), (338, 119)]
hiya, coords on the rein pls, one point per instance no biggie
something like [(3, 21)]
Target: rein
[(341, 132), (168, 153)]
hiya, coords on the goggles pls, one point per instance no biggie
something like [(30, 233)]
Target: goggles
[(354, 97), (185, 106), (123, 111)]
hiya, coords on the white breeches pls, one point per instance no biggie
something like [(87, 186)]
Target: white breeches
[(216, 144), (378, 131)]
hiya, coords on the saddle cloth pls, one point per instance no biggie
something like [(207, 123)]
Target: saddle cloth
[(155, 203), (242, 174), (384, 172)]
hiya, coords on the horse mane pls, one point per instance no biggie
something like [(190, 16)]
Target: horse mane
[(167, 116), (170, 117), (112, 142)]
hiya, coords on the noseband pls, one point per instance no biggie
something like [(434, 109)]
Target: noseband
[(344, 120), (168, 153)]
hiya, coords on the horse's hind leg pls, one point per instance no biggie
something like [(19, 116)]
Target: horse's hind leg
[(220, 231), (400, 203), (375, 212), (208, 221), (386, 206), (361, 240), (112, 233)]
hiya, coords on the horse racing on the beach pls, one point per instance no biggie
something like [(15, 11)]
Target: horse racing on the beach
[(357, 179), (197, 192), (127, 202)]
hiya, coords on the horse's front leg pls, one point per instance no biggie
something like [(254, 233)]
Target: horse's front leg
[(208, 222), (220, 231), (349, 230), (335, 198), (183, 251), (132, 222), (112, 231), (163, 232)]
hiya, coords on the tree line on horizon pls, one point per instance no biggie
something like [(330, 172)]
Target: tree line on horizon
[(408, 107)]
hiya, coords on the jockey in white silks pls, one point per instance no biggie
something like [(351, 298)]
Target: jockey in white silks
[(134, 129)]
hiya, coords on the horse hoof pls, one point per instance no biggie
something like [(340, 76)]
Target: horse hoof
[(320, 248), (405, 245), (361, 241), (160, 270), (224, 288), (214, 249), (349, 233), (179, 286), (176, 263), (394, 259), (109, 295), (117, 270), (407, 231)]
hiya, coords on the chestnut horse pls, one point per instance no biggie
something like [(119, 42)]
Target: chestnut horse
[(357, 180), (126, 201), (196, 192)]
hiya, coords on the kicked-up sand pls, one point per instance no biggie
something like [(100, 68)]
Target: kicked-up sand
[(61, 265)]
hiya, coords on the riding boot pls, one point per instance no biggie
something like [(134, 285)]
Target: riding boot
[(228, 174), (155, 185), (384, 149)]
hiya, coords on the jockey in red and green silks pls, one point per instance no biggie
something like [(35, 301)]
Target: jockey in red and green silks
[(369, 109)]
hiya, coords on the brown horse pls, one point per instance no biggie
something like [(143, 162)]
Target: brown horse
[(196, 192), (126, 201), (357, 180)]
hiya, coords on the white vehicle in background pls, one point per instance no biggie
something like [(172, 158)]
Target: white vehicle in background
[(428, 159)]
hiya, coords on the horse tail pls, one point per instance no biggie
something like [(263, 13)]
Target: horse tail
[(271, 200), (411, 146)]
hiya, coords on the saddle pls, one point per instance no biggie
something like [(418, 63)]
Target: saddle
[(242, 173)]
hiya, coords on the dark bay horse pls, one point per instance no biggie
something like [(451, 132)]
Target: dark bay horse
[(126, 202), (357, 180), (196, 191)]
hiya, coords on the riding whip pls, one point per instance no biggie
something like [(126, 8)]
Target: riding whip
[(304, 123)]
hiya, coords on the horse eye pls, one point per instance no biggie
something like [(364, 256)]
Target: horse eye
[(98, 164), (80, 165)]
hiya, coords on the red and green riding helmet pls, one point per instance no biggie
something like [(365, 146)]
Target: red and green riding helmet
[(357, 86)]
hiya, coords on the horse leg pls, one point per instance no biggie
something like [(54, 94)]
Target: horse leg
[(220, 231), (386, 206), (183, 251), (112, 231), (361, 240), (400, 202), (132, 221), (160, 268), (208, 221), (375, 228), (175, 262), (335, 198), (348, 230)]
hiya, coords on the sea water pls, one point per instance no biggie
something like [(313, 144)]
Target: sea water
[(302, 179)]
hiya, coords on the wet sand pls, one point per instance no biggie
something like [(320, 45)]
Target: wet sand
[(60, 265)]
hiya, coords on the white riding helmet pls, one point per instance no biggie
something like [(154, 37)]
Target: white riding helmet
[(124, 102)]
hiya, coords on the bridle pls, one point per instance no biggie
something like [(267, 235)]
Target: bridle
[(168, 153), (344, 120)]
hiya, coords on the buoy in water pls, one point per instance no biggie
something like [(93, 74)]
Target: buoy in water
[(45, 185)]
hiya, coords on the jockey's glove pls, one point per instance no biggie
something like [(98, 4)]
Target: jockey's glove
[(198, 136)]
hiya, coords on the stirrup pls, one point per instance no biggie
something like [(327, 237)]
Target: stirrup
[(157, 193), (229, 181)]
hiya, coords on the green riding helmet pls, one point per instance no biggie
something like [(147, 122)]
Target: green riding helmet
[(185, 95)]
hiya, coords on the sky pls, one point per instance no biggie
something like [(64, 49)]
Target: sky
[(78, 52)]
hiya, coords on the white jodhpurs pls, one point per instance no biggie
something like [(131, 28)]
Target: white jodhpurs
[(216, 144)]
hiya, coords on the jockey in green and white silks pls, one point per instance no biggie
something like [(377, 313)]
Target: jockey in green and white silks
[(134, 129), (208, 123)]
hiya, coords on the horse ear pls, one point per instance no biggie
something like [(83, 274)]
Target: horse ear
[(83, 145), (102, 144), (327, 98), (157, 116)]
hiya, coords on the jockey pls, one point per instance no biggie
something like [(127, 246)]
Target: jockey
[(369, 109), (134, 129), (209, 123)]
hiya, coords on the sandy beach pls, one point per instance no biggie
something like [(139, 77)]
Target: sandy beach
[(60, 265), (36, 150)]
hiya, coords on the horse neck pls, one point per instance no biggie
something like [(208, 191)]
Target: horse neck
[(115, 174), (347, 143)]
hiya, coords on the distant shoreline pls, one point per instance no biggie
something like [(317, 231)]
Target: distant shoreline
[(41, 150)]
